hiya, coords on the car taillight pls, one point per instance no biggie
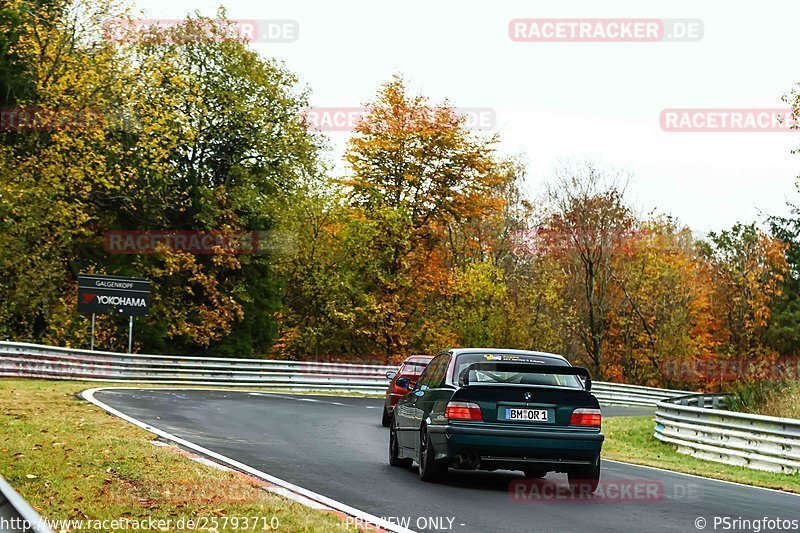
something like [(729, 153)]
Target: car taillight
[(463, 411), (586, 417)]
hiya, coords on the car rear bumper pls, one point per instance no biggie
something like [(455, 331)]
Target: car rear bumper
[(513, 448)]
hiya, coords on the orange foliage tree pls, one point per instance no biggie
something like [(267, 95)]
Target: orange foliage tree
[(416, 171)]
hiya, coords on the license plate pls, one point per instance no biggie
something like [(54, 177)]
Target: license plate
[(527, 415)]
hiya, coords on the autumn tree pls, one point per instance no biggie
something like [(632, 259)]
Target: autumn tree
[(415, 170), (323, 293), (783, 334), (16, 82), (587, 221), (50, 171), (502, 291), (665, 313), (229, 126), (748, 269), (183, 128)]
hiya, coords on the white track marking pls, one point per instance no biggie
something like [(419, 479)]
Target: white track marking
[(296, 497)]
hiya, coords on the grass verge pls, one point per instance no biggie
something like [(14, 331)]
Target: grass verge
[(630, 439), (71, 460)]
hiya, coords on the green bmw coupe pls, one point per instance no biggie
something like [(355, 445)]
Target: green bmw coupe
[(489, 409)]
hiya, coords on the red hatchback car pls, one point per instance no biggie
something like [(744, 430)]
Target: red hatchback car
[(411, 369)]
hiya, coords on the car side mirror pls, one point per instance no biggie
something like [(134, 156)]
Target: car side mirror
[(391, 374), (404, 383)]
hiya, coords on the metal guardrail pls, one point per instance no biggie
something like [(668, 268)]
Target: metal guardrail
[(16, 515), (34, 360), (631, 395), (699, 425)]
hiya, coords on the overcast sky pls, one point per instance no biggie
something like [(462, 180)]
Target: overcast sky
[(568, 100)]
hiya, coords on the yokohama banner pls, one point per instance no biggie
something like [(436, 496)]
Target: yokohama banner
[(107, 295)]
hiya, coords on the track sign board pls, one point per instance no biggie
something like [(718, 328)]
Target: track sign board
[(113, 295)]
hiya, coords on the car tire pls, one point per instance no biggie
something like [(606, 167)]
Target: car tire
[(429, 469), (584, 480), (386, 420), (394, 451), (534, 473)]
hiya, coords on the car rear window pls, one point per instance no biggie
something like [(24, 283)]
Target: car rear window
[(413, 367), (517, 378)]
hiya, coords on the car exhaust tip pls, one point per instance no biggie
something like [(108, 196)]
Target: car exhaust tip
[(467, 461)]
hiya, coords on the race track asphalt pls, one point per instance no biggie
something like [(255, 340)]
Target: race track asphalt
[(335, 446)]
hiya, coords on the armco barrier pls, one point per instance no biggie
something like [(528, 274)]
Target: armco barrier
[(631, 395), (16, 515), (699, 426), (33, 360)]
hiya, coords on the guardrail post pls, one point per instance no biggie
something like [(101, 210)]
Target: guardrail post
[(130, 334)]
